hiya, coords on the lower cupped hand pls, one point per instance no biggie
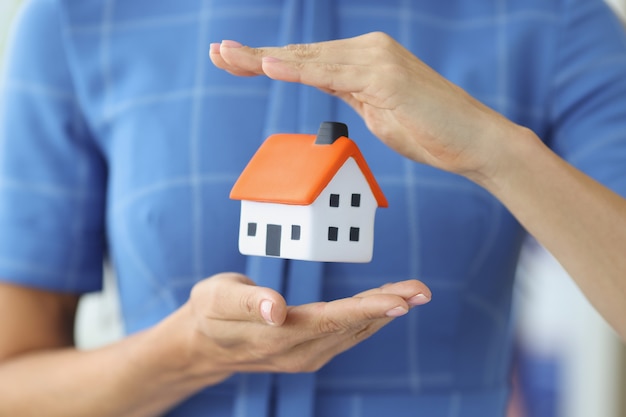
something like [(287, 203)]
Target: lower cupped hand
[(240, 327)]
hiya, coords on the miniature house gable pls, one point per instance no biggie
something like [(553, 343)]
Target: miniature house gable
[(302, 199)]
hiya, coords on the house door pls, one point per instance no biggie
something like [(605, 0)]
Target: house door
[(272, 241)]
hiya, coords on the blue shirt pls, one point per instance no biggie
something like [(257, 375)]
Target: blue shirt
[(118, 138)]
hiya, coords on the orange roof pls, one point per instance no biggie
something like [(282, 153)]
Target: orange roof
[(292, 169)]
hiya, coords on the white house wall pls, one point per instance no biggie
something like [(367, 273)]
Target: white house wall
[(348, 180)]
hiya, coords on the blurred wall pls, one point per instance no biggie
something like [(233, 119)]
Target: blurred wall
[(619, 6), (8, 9)]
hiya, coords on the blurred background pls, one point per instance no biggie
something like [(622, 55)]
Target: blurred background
[(569, 363)]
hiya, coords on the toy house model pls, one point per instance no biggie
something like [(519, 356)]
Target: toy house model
[(308, 197)]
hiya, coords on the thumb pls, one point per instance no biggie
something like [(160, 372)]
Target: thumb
[(235, 297)]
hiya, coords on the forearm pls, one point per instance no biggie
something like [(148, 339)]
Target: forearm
[(581, 222), (143, 375)]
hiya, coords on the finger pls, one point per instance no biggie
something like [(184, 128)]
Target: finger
[(340, 78), (356, 50), (359, 50), (368, 49), (341, 316), (218, 61), (413, 291), (238, 57), (235, 57), (244, 60), (234, 297)]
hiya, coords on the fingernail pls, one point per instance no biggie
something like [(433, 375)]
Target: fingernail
[(231, 44), (397, 312), (418, 300), (270, 59), (215, 48), (266, 311)]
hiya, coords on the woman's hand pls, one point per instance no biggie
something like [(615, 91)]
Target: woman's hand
[(404, 102), (236, 326)]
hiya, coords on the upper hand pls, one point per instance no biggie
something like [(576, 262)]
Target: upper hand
[(405, 103)]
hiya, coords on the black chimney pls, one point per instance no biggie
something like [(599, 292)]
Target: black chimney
[(329, 132)]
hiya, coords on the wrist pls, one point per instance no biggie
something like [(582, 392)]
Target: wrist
[(171, 349), (511, 149)]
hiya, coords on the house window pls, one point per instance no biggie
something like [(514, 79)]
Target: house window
[(333, 232), (354, 234), (295, 232), (356, 200), (334, 200), (251, 229)]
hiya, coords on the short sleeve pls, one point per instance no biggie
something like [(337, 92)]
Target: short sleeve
[(52, 174), (589, 92)]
